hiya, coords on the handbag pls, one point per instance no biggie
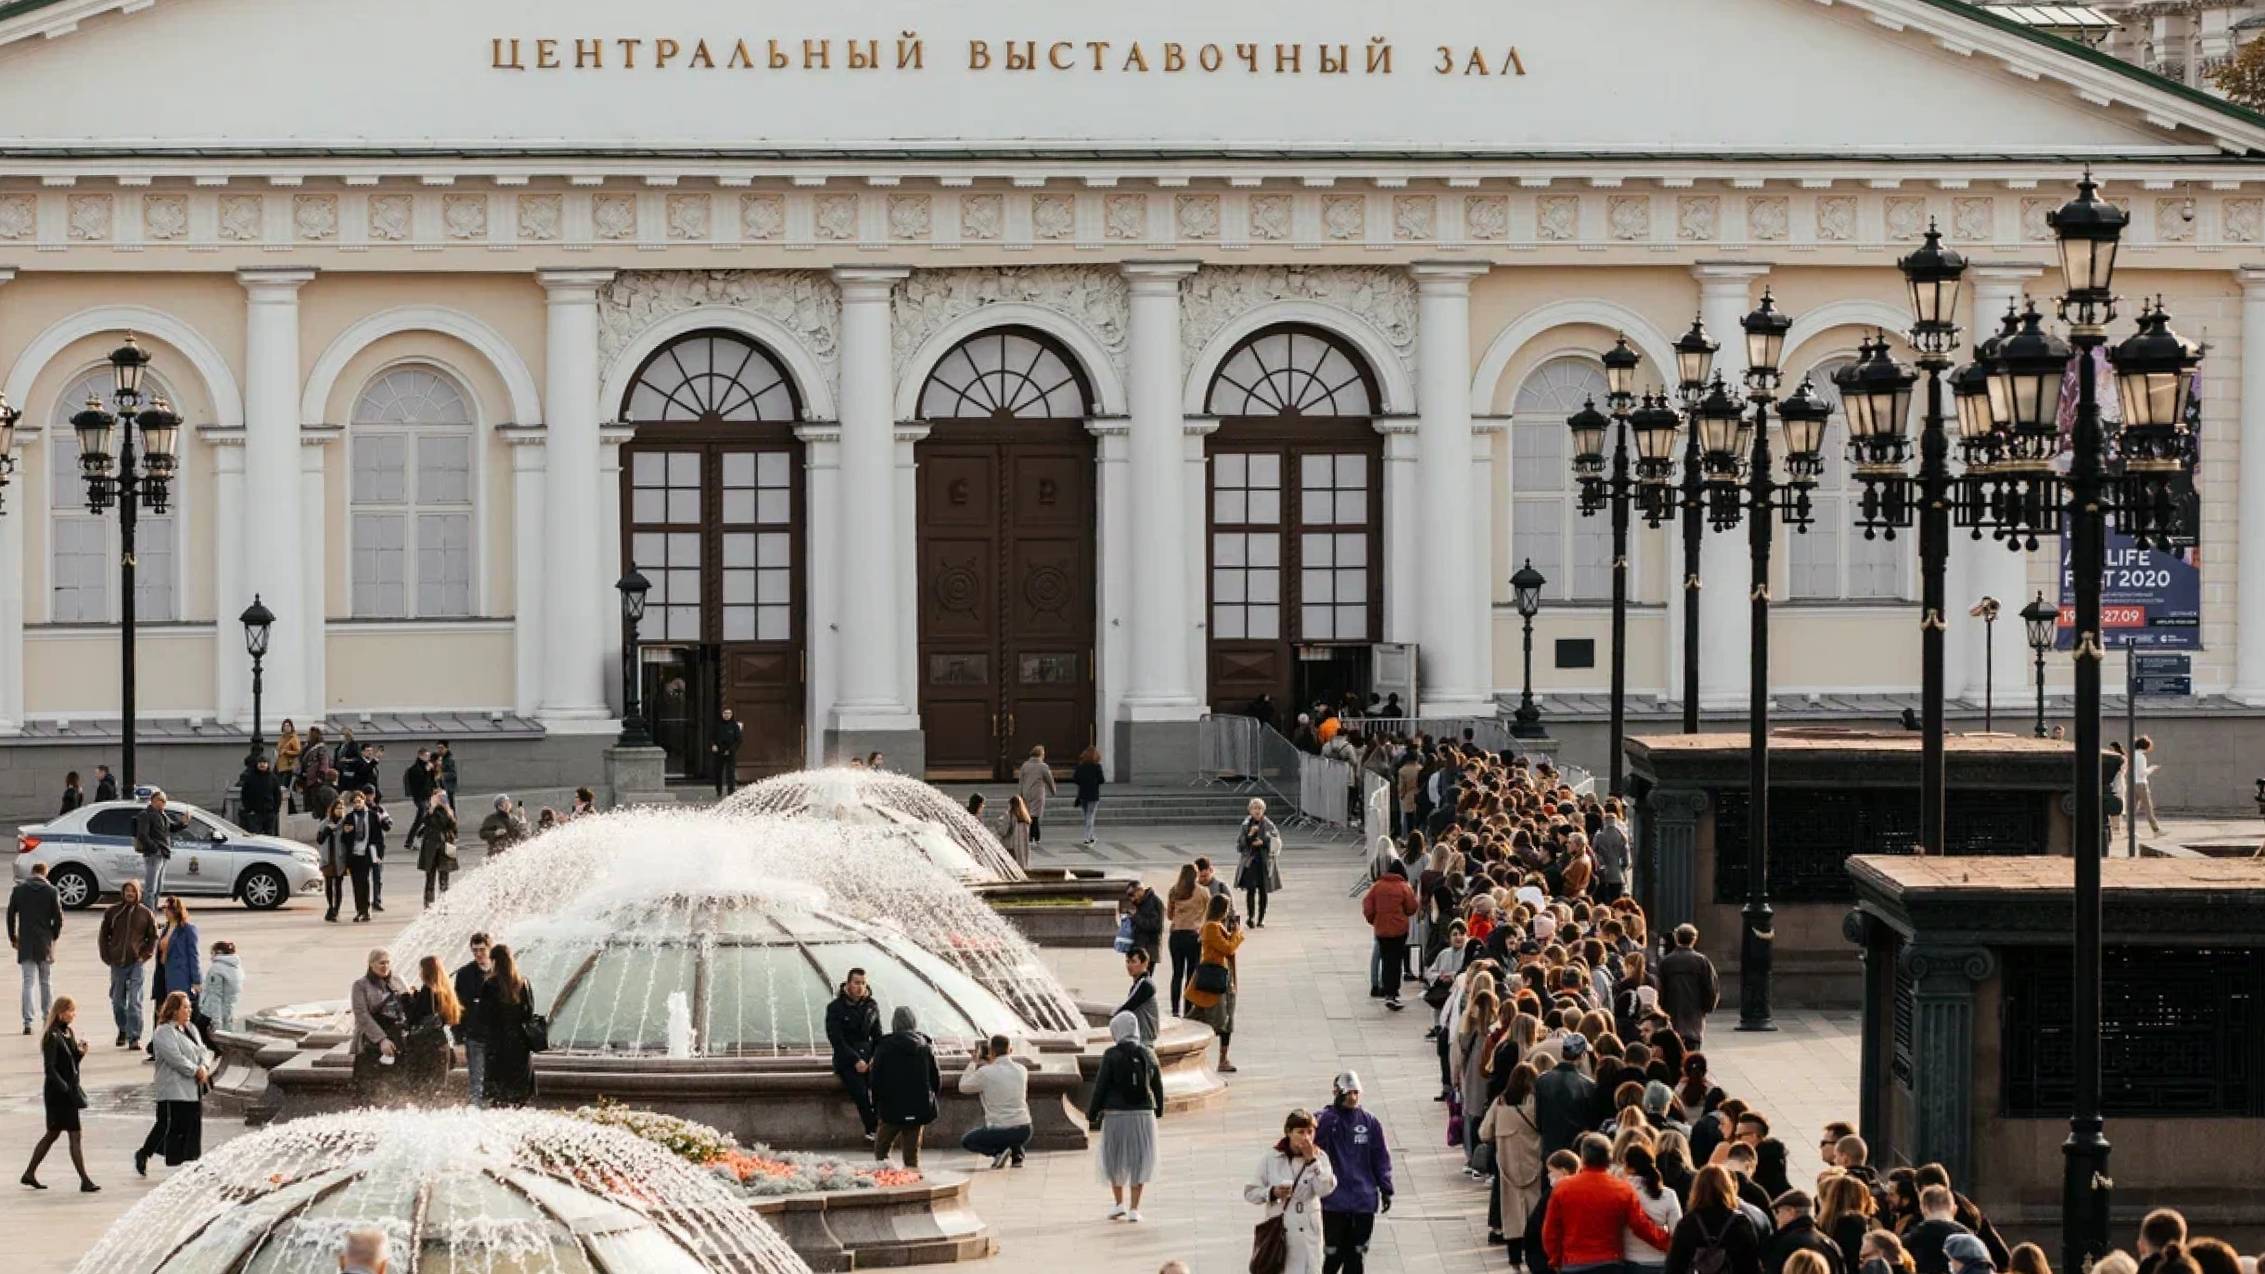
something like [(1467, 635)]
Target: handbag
[(1270, 1240), (1439, 992), (1124, 942), (536, 1030), (1212, 979)]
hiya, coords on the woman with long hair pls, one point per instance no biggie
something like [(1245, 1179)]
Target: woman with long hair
[(1184, 909), (1844, 1215), (1018, 829), (1217, 942), (1469, 1046), (287, 749), (73, 794), (183, 1071), (1884, 1253), (180, 964), (1088, 778), (381, 1028), (1713, 1223), (1293, 1178), (60, 1051), (330, 846), (1511, 1125), (1658, 1202), (506, 1013), (432, 1011)]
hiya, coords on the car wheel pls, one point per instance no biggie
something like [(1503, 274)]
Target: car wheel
[(263, 889), (76, 887)]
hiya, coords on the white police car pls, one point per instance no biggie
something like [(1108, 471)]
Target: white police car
[(90, 852)]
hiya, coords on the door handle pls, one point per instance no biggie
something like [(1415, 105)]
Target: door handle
[(994, 725), (1010, 725)]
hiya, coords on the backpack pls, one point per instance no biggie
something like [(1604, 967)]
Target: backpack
[(1712, 1257)]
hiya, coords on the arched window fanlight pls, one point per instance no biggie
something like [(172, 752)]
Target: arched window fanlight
[(1292, 371), (1005, 374), (714, 377)]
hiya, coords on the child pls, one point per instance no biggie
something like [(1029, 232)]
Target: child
[(223, 986)]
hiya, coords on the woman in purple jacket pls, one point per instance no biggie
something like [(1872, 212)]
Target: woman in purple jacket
[(1354, 1141)]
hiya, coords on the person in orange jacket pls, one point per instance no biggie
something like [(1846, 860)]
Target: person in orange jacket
[(1389, 906), (1592, 1212)]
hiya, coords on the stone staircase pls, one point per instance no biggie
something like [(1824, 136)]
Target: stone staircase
[(1128, 804)]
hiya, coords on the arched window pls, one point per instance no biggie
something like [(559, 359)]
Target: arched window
[(1574, 553), (1008, 373), (713, 377), (411, 497), (82, 577), (1292, 371), (1832, 561)]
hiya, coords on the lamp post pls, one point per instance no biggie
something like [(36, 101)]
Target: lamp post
[(2016, 485), (1742, 484), (1525, 588), (2039, 618), (632, 586), (257, 620), (1694, 362), (122, 482), (1986, 610), (1599, 491)]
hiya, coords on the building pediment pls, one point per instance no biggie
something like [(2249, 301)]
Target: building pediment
[(1002, 79)]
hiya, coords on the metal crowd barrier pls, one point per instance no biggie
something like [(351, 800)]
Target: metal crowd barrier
[(1244, 754)]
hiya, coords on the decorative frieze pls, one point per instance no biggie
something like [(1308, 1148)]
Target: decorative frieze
[(1095, 297), (805, 302), (1213, 297), (372, 213)]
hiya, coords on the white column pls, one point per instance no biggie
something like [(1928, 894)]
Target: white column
[(1726, 629), (610, 439), (527, 483), (1485, 432), (821, 444), (1162, 684), (1195, 551), (1400, 529), (873, 695), (2249, 551), (1455, 676), (904, 606), (232, 669), (275, 566), (314, 569), (1990, 567), (1114, 550), (575, 590), (12, 573)]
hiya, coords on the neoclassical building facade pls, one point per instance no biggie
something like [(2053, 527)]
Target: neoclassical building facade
[(959, 393)]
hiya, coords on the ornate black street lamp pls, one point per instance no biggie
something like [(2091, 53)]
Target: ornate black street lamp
[(9, 418), (1742, 484), (632, 586), (122, 482), (1599, 491), (258, 621), (2040, 618), (1525, 589), (1694, 362), (1986, 610)]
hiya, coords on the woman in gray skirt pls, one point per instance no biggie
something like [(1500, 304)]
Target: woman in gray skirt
[(1128, 1096)]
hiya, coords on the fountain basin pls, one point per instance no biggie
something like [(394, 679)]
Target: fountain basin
[(1059, 908), (794, 1103), (930, 1222)]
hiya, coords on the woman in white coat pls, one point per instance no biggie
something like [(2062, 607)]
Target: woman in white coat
[(1292, 1179)]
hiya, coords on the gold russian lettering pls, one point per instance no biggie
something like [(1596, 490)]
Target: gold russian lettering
[(978, 55), (742, 58), (1379, 56), (1175, 58), (1058, 50), (497, 54), (1210, 58), (817, 53), (1286, 58), (629, 52), (1512, 63), (1329, 67), (1446, 61), (1135, 60), (1024, 58), (546, 55), (778, 57), (1248, 53), (909, 50), (1477, 64), (864, 59), (589, 53), (664, 52), (701, 57), (1099, 48)]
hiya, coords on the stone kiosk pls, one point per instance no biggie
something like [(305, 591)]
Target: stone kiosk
[(1966, 1055), (1834, 793)]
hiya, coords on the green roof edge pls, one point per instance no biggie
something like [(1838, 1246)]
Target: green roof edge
[(1982, 14)]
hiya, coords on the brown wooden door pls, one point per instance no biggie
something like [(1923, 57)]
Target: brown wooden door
[(1007, 595)]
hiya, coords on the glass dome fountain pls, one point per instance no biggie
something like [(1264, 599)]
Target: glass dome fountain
[(729, 970), (717, 906), (455, 1191), (952, 838)]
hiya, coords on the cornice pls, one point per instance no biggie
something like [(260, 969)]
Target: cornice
[(1721, 224)]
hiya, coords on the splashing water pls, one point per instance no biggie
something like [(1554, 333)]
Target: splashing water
[(696, 893), (471, 1192), (680, 1032), (859, 796)]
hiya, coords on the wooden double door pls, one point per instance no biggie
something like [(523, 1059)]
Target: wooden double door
[(1006, 530)]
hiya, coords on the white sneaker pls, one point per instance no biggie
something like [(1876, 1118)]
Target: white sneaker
[(1118, 1212), (1132, 1216), (999, 1160)]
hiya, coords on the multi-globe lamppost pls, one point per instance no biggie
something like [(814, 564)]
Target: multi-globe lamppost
[(1730, 476), (2038, 621), (2025, 479), (1648, 488), (127, 482)]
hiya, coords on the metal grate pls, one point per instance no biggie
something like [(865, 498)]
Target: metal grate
[(2182, 1031), (1813, 831), (1906, 1013)]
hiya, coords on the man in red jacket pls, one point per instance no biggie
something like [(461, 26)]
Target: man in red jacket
[(1591, 1212), (1388, 906)]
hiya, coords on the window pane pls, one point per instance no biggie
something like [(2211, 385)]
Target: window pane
[(1265, 507), (1813, 560), (380, 468), (1265, 622), (79, 592), (378, 566), (155, 569), (774, 623), (1537, 533), (1227, 585), (739, 469), (739, 505), (1264, 586), (1230, 507), (444, 564), (1318, 586), (1352, 622), (1592, 559), (1227, 623)]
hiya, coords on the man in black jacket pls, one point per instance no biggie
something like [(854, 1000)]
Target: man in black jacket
[(417, 783), (260, 796), (1797, 1232), (729, 732), (1565, 1100), (153, 840), (471, 981), (853, 1029), (1924, 1241), (1688, 988), (35, 921)]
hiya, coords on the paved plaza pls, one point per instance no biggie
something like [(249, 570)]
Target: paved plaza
[(1304, 1014)]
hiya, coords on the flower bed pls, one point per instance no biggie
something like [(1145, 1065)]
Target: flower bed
[(757, 1171)]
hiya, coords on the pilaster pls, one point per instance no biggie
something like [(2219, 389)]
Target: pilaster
[(1669, 835), (876, 707), (285, 570), (528, 479), (232, 673), (2249, 509), (575, 589), (12, 573), (1726, 630), (1456, 678), (1942, 1052), (313, 628)]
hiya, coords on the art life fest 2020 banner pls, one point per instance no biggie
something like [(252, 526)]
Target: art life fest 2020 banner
[(2150, 599)]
